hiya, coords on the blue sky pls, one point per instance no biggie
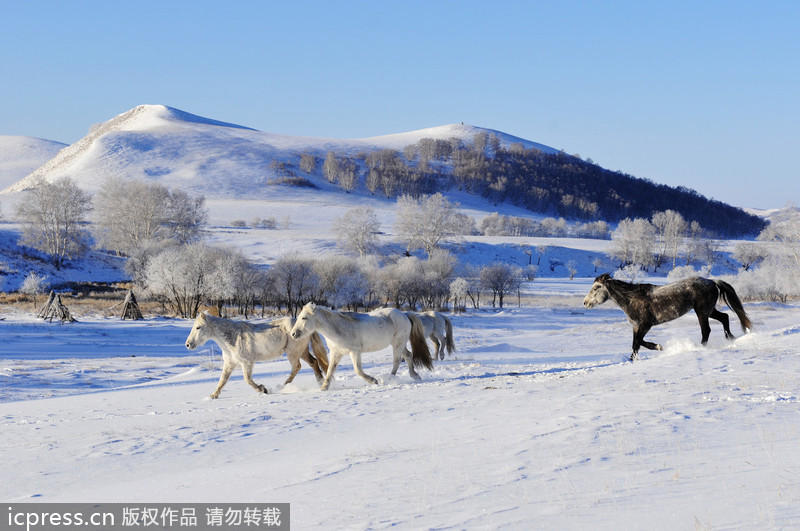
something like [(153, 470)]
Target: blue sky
[(698, 94)]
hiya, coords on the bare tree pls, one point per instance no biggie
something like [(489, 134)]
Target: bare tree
[(749, 254), (357, 230), (295, 281), (500, 279), (52, 215), (425, 222)]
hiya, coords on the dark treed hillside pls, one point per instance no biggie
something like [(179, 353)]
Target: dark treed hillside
[(545, 183)]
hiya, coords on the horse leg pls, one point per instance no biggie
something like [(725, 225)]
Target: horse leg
[(294, 361), (439, 343), (705, 328), (313, 363), (333, 362), (396, 358), (356, 357), (638, 341), (403, 351), (722, 317), (247, 370), (227, 369)]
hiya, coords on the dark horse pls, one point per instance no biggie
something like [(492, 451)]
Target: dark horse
[(647, 305)]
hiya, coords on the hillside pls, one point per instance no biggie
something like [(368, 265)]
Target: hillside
[(220, 160), (20, 155)]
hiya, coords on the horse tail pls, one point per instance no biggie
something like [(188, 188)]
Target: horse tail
[(732, 300), (320, 352), (420, 353), (448, 326)]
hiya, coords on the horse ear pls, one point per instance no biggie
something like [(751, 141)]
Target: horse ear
[(311, 307), (602, 278)]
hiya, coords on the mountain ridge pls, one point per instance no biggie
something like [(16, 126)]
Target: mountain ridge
[(127, 145)]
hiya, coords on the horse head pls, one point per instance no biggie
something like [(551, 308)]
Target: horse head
[(598, 294), (197, 334), (305, 323)]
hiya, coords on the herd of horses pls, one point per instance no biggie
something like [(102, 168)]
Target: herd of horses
[(354, 333)]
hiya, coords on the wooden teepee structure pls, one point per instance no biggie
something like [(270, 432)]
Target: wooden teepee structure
[(130, 308), (55, 308)]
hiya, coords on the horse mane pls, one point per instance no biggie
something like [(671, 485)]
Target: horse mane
[(331, 314), (336, 319), (627, 289)]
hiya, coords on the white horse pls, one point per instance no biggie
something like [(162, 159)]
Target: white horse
[(354, 333), (245, 343), (440, 330)]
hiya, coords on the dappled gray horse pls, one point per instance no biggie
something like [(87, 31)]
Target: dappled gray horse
[(647, 305)]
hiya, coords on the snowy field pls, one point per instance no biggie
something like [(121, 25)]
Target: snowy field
[(536, 422)]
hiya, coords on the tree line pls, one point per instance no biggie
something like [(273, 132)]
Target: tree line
[(160, 233)]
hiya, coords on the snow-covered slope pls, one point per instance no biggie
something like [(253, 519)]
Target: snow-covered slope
[(20, 155), (208, 157)]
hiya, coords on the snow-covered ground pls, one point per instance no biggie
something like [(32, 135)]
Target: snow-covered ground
[(537, 421)]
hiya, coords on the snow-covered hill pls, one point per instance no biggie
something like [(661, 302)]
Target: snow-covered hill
[(208, 157), (20, 155)]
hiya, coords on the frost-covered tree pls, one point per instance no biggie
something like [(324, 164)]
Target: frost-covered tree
[(438, 270), (458, 294), (670, 230), (778, 275), (308, 163), (52, 217), (330, 168), (185, 276), (681, 272), (785, 235), (357, 230), (341, 282), (348, 174), (33, 285), (632, 242), (403, 281), (232, 278), (131, 215), (427, 221), (179, 277)]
